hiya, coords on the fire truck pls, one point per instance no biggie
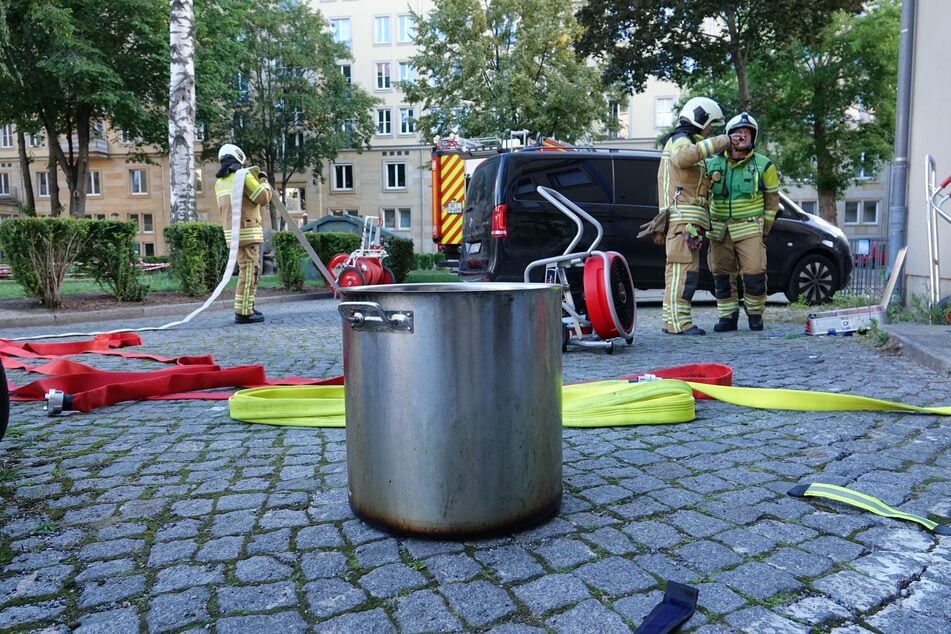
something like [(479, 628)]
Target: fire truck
[(453, 161)]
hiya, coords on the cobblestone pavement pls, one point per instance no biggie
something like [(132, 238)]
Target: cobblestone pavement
[(168, 516)]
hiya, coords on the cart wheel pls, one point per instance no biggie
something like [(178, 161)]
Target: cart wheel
[(372, 270), (617, 295), (4, 403), (336, 263), (610, 348), (351, 276), (388, 276)]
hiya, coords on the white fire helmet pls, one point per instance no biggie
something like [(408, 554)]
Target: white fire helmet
[(701, 112), (232, 150), (744, 120)]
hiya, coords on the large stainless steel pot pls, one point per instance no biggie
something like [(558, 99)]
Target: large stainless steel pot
[(453, 401)]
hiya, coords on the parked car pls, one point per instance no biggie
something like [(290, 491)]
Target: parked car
[(507, 224)]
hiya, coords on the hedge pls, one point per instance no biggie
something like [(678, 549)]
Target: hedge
[(109, 258), (198, 255), (41, 251)]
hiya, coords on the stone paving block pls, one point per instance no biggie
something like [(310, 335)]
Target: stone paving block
[(783, 532), (897, 568), (384, 551), (758, 580), (510, 563), (607, 494), (636, 607), (610, 540), (221, 549), (20, 615), (327, 597), (799, 563), (589, 616), (838, 550), (552, 592), (119, 621), (321, 536), (186, 576), (451, 568), (479, 603), (239, 501), (815, 611), (370, 621), (322, 564), (717, 598), (424, 611), (103, 569), (356, 531), (564, 553), (284, 622), (587, 520), (615, 576), (696, 524), (855, 591), (553, 528), (178, 530), (841, 524), (666, 568), (262, 568), (269, 543), (707, 556), (110, 590), (759, 619), (675, 497), (902, 620), (423, 548), (896, 537), (233, 523), (175, 610), (642, 507), (165, 553), (36, 583), (391, 580), (258, 598)]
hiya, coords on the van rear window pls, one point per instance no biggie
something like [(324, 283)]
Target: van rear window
[(635, 181), (583, 180)]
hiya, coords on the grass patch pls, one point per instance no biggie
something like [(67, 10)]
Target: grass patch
[(420, 276)]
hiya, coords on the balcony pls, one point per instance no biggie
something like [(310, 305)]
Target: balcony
[(98, 148)]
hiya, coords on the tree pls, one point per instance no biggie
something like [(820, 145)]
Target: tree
[(488, 66), (678, 40), (829, 105), (295, 109), (181, 111), (87, 61)]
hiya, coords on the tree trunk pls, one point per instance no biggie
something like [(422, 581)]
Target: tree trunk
[(826, 194), (827, 206), (52, 185), (181, 112), (25, 171), (76, 164)]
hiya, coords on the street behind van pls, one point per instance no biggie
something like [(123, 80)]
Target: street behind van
[(507, 224)]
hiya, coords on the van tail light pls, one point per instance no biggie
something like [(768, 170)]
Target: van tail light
[(500, 226)]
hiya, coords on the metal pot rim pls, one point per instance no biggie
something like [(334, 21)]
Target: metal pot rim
[(454, 288)]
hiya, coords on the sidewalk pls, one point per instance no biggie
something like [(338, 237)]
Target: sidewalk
[(169, 516)]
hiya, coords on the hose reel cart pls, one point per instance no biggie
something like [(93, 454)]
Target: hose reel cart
[(611, 313)]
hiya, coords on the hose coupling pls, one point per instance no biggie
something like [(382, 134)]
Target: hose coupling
[(57, 402)]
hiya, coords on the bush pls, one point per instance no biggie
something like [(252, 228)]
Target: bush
[(400, 256), (156, 259), (288, 253), (422, 261), (41, 251), (198, 255), (109, 258)]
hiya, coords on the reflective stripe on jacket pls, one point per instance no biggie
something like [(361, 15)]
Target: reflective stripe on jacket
[(744, 196)]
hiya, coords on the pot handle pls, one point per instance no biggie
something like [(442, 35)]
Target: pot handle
[(370, 316)]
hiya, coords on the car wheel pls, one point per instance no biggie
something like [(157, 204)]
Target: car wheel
[(814, 278)]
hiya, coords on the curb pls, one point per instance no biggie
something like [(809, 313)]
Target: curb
[(139, 312), (914, 348)]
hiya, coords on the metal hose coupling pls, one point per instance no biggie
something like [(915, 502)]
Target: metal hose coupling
[(57, 402)]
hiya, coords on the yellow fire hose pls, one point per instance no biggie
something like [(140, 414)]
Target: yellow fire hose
[(596, 404)]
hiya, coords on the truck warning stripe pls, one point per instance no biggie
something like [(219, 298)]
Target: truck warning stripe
[(452, 229)]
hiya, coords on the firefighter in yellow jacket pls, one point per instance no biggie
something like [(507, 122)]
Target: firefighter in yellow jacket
[(257, 192), (744, 201), (681, 182)]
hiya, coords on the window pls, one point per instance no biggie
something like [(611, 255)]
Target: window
[(405, 29), (663, 112), (344, 212), (198, 186), (98, 216), (38, 139), (4, 184), (397, 218), (346, 72), (809, 206), (407, 72), (138, 181), (383, 76), (381, 30), (126, 137), (42, 184), (614, 112), (97, 130), (340, 27), (149, 249), (407, 121), (6, 136), (343, 177), (384, 121), (135, 218), (395, 176), (95, 184), (147, 226), (863, 212)]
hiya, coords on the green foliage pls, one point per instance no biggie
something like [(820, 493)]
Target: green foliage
[(673, 39), (109, 258), (422, 261), (198, 255), (40, 252), (484, 68), (921, 309), (288, 253), (399, 256), (295, 109)]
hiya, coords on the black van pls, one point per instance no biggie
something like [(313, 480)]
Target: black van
[(507, 224)]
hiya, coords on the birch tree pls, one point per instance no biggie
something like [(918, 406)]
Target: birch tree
[(181, 111)]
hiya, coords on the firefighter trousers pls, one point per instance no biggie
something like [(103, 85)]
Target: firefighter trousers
[(746, 258), (681, 276), (249, 271)]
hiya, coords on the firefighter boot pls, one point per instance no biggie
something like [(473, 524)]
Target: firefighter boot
[(726, 324), (756, 322), (248, 319)]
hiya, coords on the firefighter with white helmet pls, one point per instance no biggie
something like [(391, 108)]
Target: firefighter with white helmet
[(257, 192), (744, 188), (682, 198)]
